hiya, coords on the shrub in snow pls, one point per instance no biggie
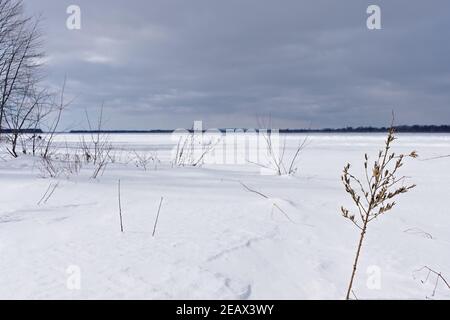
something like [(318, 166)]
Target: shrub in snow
[(374, 194)]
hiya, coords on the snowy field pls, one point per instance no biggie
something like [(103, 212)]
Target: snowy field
[(60, 237)]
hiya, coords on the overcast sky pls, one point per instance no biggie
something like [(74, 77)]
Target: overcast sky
[(166, 63)]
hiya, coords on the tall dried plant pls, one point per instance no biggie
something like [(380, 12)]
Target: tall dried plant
[(374, 195)]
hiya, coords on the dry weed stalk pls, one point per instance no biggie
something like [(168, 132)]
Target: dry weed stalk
[(374, 196), (420, 232), (55, 164), (439, 277), (266, 197), (157, 217), (120, 206), (275, 150), (192, 149), (98, 149), (276, 154), (48, 193), (143, 160)]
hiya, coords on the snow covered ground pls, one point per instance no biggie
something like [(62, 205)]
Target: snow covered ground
[(215, 239)]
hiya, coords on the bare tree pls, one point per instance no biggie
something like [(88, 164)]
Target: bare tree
[(20, 56), (19, 116), (56, 107), (10, 21), (41, 112)]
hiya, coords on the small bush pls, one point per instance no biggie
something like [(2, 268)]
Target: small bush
[(374, 195)]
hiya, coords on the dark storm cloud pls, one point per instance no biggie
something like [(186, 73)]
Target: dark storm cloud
[(163, 64)]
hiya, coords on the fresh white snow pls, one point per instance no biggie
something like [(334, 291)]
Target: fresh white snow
[(214, 238)]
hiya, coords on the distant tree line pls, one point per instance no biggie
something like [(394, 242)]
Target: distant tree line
[(22, 131), (402, 128)]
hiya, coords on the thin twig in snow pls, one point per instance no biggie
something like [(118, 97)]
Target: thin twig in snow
[(51, 192), (254, 191), (43, 196), (266, 197), (435, 158), (418, 231), (120, 207), (439, 276), (48, 193), (157, 216)]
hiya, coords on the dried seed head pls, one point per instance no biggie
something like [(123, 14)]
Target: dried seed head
[(381, 186), (376, 171)]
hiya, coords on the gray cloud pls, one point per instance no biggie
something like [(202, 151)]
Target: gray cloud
[(165, 63)]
